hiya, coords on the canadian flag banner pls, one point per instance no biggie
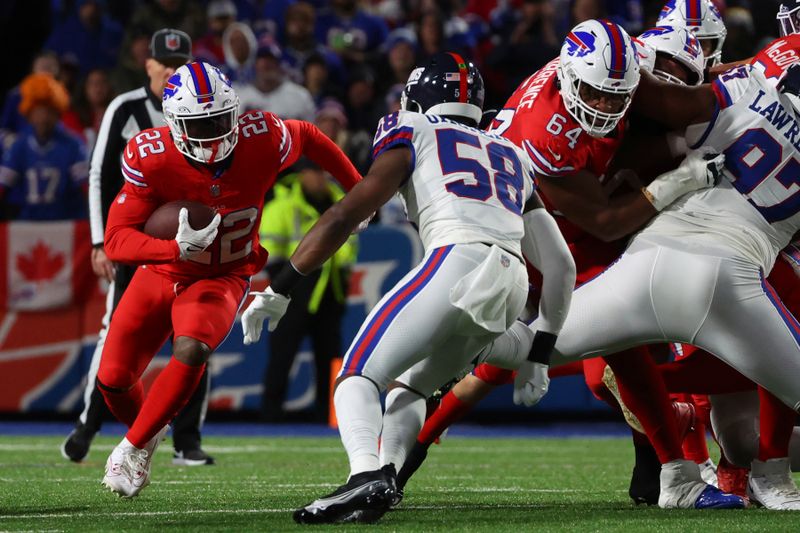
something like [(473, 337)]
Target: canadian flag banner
[(47, 264)]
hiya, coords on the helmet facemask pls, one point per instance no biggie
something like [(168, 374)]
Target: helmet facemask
[(206, 138), (714, 44), (788, 20), (693, 78), (202, 112), (576, 92)]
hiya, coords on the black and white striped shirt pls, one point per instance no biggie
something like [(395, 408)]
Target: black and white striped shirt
[(127, 115)]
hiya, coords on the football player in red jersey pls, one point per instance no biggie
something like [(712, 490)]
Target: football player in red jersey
[(569, 117), (192, 286)]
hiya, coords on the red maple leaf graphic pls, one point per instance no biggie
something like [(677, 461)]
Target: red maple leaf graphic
[(40, 264)]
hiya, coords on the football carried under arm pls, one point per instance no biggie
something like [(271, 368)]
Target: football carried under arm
[(191, 241), (125, 242), (330, 232)]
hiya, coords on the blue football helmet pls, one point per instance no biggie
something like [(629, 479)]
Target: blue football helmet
[(446, 84)]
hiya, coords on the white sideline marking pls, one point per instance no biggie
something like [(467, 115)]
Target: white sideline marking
[(260, 448), (211, 449), (114, 514), (144, 513)]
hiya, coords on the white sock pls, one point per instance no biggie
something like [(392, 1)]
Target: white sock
[(358, 411), (405, 414)]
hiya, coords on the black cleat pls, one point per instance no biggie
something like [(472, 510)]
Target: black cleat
[(365, 497), (370, 516), (645, 484), (413, 461), (193, 457), (76, 446)]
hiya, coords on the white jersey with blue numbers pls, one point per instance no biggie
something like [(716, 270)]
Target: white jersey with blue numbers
[(466, 185), (755, 211)]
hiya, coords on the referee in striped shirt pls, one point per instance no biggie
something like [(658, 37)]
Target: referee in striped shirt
[(127, 115)]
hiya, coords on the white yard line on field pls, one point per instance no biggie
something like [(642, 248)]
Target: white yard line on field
[(116, 514), (248, 448)]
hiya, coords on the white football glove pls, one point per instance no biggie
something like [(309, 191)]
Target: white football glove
[(267, 305), (531, 383), (696, 171), (194, 241)]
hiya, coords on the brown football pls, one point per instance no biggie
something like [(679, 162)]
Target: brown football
[(163, 222)]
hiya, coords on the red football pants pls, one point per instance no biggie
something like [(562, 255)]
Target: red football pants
[(154, 306)]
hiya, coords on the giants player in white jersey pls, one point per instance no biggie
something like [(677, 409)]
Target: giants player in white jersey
[(696, 273), (467, 191), (570, 116)]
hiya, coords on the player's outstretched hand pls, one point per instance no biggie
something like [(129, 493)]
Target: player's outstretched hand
[(531, 384), (267, 305), (194, 241), (696, 171)]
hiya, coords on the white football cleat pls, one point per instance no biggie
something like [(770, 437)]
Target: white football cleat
[(682, 487), (128, 467), (771, 485), (708, 471)]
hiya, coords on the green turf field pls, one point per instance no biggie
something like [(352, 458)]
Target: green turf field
[(467, 485)]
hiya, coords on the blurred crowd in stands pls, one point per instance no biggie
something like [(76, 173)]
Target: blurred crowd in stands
[(339, 63)]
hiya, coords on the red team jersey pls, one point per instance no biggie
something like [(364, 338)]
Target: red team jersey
[(777, 56), (156, 173), (535, 118)]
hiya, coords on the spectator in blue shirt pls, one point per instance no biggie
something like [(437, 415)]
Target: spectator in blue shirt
[(44, 174), (351, 32), (300, 45), (88, 37)]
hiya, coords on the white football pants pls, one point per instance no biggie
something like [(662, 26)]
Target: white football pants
[(418, 329), (656, 293)]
